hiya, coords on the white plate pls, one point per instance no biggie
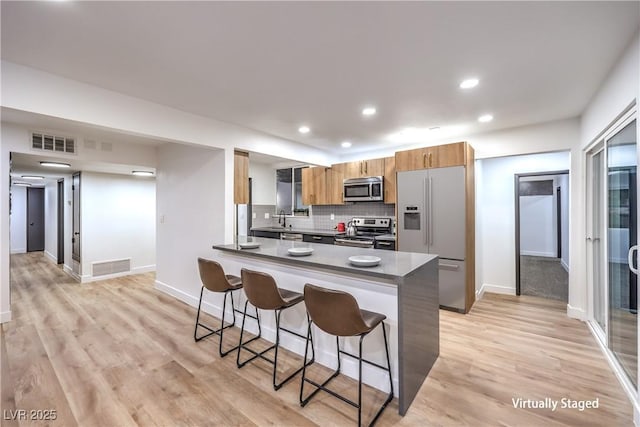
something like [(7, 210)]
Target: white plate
[(300, 251), (364, 260), (249, 245)]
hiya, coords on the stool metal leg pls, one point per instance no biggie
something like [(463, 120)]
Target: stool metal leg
[(276, 385), (241, 345), (218, 331)]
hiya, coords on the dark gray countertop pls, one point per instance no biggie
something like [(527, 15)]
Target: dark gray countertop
[(299, 231), (393, 264)]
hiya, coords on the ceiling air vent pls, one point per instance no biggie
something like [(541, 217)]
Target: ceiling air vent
[(59, 144)]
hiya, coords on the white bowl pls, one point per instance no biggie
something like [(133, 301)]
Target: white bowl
[(364, 260), (300, 251), (249, 245)]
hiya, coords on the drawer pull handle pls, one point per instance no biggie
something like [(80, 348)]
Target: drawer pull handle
[(317, 238), (384, 243), (449, 266)]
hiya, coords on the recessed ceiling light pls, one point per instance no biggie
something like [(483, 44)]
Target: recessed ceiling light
[(346, 144), (485, 118), (32, 177), (142, 173), (369, 111), (55, 164), (304, 129), (22, 184), (469, 83)]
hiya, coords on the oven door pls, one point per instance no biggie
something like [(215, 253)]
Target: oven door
[(357, 192)]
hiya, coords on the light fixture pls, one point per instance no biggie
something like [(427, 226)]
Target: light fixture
[(369, 111), (469, 83), (485, 118), (55, 164), (32, 177), (346, 144), (304, 129), (22, 184), (142, 173)]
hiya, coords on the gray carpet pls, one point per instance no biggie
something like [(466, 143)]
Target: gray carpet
[(543, 277)]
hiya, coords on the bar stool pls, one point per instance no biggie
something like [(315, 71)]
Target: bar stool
[(337, 313), (213, 278), (262, 293)]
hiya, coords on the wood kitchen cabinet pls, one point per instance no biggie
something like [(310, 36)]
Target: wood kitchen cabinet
[(439, 156), (390, 180), (335, 184), (315, 186), (363, 168), (240, 178)]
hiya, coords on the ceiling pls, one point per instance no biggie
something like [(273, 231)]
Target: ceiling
[(273, 66)]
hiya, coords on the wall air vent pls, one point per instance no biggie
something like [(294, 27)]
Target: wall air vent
[(104, 268), (59, 144)]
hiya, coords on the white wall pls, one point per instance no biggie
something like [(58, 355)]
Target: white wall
[(18, 219), (117, 214), (263, 183), (495, 215), (537, 226), (190, 214), (51, 220)]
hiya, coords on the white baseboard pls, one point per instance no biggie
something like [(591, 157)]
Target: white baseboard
[(495, 289), (71, 273), (137, 270), (564, 265), (5, 316), (576, 313), (542, 254), (51, 257), (19, 251), (627, 386)]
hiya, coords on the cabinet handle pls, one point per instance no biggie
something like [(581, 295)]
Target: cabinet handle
[(430, 160), (360, 168), (449, 266), (366, 167), (384, 243), (424, 160), (316, 238)]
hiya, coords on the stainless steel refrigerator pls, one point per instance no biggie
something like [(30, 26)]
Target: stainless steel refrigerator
[(431, 219)]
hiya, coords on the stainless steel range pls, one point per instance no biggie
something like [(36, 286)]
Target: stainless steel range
[(366, 230)]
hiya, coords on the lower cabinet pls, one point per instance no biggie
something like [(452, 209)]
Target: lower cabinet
[(385, 245), (267, 234), (314, 238)]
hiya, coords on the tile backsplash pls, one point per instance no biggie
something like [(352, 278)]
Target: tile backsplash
[(320, 217)]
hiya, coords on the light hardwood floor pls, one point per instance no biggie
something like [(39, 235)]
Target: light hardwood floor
[(120, 353)]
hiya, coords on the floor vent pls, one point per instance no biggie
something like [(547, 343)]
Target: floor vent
[(110, 267), (58, 144)]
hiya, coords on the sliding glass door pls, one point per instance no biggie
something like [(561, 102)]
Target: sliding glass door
[(622, 204)]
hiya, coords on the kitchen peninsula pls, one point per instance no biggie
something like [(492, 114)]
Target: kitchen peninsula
[(404, 287)]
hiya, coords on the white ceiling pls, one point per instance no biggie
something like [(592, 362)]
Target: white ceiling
[(274, 66)]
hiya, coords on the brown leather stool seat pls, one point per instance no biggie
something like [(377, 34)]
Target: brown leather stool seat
[(214, 280), (337, 313), (263, 293)]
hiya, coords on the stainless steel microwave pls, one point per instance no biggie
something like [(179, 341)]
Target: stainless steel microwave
[(363, 189)]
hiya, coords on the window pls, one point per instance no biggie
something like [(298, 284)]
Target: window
[(289, 192)]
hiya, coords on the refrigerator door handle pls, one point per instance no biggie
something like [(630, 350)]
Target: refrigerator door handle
[(430, 211), (425, 189), (632, 249)]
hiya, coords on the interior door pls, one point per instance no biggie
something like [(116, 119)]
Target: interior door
[(446, 214), (61, 221), (622, 237), (75, 240), (35, 219)]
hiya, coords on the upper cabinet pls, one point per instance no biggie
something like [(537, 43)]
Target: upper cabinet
[(363, 168), (439, 156), (389, 179), (240, 178), (336, 178), (316, 186)]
